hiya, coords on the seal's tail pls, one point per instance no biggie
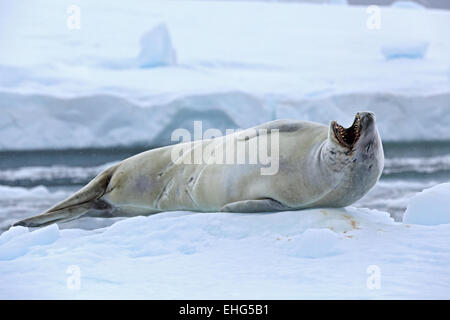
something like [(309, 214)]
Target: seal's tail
[(76, 205)]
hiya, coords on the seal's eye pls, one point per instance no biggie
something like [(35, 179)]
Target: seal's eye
[(348, 137)]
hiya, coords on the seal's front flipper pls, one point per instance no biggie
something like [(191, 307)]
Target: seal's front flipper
[(262, 205), (77, 205)]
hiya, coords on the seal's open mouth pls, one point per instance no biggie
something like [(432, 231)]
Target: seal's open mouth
[(348, 137)]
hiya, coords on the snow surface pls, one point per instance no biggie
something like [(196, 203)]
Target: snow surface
[(430, 207), (321, 253), (241, 64)]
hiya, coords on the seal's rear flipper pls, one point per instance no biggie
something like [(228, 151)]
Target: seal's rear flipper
[(50, 217), (77, 205)]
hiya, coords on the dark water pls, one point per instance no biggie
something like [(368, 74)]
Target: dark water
[(31, 181), (68, 157)]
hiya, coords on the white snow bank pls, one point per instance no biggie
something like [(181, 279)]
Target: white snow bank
[(105, 120), (405, 50), (18, 242), (156, 48), (430, 207), (322, 253)]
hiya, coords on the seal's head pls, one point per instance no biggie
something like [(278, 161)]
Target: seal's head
[(357, 153), (360, 138)]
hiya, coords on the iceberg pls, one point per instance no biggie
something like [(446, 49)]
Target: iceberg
[(405, 50), (156, 48), (430, 207)]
